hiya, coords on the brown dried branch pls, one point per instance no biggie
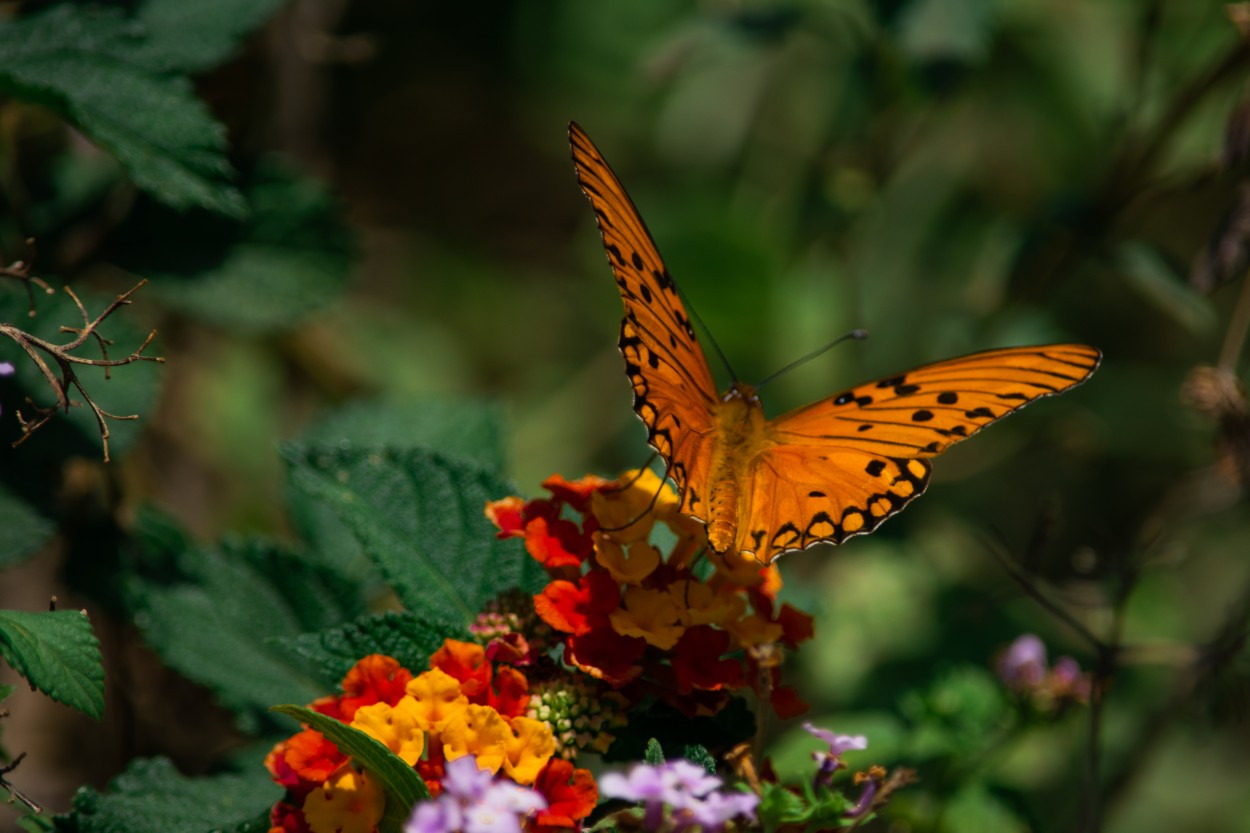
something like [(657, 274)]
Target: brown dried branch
[(20, 270), (14, 792), (40, 351)]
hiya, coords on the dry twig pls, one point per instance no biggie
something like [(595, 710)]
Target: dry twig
[(40, 351)]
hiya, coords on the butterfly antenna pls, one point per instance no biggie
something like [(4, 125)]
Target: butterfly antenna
[(620, 487), (857, 335), (644, 513), (711, 339)]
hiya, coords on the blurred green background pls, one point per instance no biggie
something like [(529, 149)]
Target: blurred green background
[(950, 175)]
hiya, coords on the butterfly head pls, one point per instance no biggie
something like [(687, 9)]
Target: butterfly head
[(741, 392)]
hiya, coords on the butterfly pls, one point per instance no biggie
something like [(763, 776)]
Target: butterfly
[(819, 474)]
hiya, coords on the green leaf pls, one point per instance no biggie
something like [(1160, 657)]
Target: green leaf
[(466, 429), (192, 36), (85, 63), (420, 517), (405, 636), (960, 715), (778, 806), (25, 530), (697, 754), (151, 797), (289, 258), (213, 618), (57, 652), (401, 783), (654, 754), (958, 30)]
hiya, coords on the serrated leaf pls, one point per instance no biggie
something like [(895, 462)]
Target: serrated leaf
[(212, 621), (405, 636), (654, 754), (697, 754), (401, 783), (192, 36), (84, 63), (419, 516), (289, 258), (469, 430), (58, 653), (152, 797), (25, 530)]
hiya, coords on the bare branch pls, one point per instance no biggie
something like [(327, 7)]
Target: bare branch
[(41, 351)]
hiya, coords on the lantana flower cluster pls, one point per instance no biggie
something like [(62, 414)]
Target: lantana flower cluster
[(464, 706), (644, 620)]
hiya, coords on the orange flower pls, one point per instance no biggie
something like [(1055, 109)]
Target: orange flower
[(653, 615), (466, 661)]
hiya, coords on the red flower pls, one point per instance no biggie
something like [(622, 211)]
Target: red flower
[(605, 654), (571, 795), (507, 515), (556, 543), (303, 760), (375, 679), (287, 818), (698, 662), (575, 493), (577, 608)]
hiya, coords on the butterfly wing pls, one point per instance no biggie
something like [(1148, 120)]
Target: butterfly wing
[(842, 465), (674, 393)]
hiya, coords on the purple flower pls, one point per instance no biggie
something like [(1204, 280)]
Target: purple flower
[(686, 790), (828, 761), (474, 802), (1023, 664)]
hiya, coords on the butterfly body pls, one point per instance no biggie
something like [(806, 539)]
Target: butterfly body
[(824, 472)]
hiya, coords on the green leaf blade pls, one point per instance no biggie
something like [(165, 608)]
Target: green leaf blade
[(57, 652)]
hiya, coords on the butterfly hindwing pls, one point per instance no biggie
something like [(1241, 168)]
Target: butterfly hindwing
[(674, 393), (800, 496)]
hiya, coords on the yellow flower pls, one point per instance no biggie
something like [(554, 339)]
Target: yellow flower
[(651, 614), (396, 728), (347, 803), (630, 511), (433, 699), (626, 565), (479, 731), (702, 604), (755, 630), (532, 745)]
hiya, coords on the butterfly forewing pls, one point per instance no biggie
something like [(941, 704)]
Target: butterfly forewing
[(924, 411), (674, 393)]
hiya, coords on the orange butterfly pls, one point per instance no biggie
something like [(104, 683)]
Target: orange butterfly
[(822, 473)]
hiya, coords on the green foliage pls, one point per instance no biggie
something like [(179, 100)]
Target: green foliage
[(58, 653), (152, 797), (813, 810), (419, 516), (25, 529), (698, 754), (97, 69), (654, 753), (289, 257), (401, 783), (406, 636), (210, 612), (960, 715)]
